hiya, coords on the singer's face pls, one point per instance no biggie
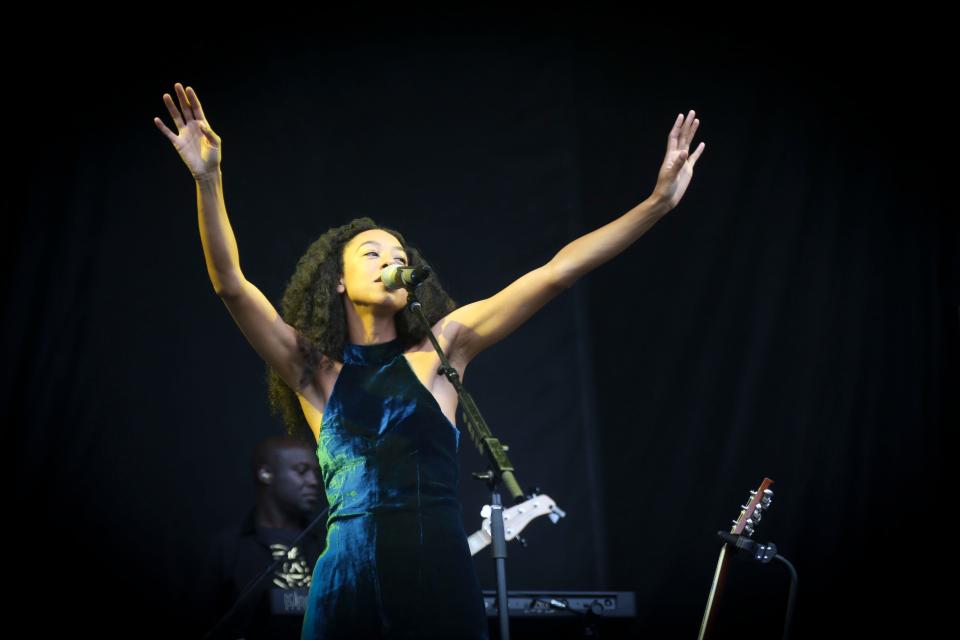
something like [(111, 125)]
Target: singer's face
[(366, 255)]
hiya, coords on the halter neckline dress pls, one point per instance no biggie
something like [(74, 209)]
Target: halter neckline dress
[(396, 563)]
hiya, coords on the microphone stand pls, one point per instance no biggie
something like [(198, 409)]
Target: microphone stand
[(500, 468)]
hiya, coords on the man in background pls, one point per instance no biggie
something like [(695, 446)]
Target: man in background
[(287, 480)]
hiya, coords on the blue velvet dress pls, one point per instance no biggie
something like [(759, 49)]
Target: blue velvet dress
[(396, 563)]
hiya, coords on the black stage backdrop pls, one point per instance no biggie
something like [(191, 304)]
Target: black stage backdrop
[(795, 317)]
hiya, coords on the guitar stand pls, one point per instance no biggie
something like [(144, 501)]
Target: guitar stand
[(738, 540)]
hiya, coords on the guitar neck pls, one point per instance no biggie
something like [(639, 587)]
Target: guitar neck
[(709, 615)]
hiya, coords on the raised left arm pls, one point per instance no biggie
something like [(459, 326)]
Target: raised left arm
[(478, 325)]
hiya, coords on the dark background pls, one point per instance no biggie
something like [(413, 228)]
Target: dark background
[(796, 317)]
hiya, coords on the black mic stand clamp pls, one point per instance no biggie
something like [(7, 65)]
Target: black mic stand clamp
[(500, 468)]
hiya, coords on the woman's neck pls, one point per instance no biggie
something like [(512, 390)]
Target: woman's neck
[(365, 326)]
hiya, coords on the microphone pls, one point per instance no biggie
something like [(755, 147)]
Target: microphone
[(396, 277)]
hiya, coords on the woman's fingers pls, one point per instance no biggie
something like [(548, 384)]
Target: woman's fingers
[(674, 133), (195, 102), (697, 153), (171, 136), (694, 123), (189, 110), (688, 138), (682, 131), (211, 135), (685, 133), (184, 103), (174, 112)]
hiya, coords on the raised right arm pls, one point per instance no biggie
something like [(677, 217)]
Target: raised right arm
[(265, 330), (200, 148)]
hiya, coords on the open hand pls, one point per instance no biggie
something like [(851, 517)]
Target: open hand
[(677, 168), (195, 141)]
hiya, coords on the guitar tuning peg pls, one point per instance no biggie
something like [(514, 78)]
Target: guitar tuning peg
[(755, 518), (767, 498), (748, 528)]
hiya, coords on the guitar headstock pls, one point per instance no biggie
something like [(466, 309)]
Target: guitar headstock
[(750, 514), (517, 517)]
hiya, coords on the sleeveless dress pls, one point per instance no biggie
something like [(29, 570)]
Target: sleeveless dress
[(396, 562)]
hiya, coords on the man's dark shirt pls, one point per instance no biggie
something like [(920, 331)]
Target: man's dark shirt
[(238, 555)]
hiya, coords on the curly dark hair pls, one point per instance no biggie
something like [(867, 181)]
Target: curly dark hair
[(313, 307)]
